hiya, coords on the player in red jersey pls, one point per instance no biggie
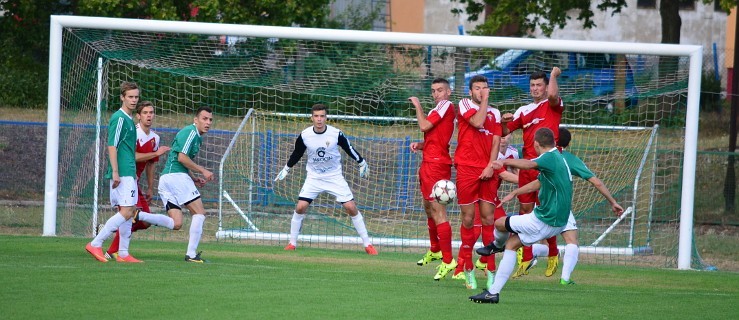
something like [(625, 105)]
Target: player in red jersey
[(509, 175), (544, 112), (478, 143), (147, 155), (438, 128)]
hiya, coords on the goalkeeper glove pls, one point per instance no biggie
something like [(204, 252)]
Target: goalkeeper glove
[(363, 169), (283, 173)]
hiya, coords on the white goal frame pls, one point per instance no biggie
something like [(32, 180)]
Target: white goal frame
[(693, 52)]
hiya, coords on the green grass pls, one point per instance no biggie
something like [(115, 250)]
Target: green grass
[(56, 278)]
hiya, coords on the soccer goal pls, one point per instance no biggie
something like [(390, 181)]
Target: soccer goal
[(632, 109)]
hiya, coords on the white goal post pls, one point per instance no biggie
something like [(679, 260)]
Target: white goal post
[(693, 53)]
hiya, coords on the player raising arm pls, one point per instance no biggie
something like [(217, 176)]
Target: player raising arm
[(178, 182), (544, 112), (321, 142), (437, 128)]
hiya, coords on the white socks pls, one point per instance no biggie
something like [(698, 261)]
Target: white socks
[(295, 225), (124, 232), (500, 237), (570, 260), (540, 250), (110, 227), (157, 219), (358, 222), (505, 268), (196, 231)]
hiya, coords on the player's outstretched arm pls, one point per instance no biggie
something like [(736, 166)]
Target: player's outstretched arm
[(598, 184), (142, 157), (520, 163), (528, 188)]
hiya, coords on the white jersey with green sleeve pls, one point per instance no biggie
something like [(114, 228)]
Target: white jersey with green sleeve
[(187, 141), (555, 194), (122, 135)]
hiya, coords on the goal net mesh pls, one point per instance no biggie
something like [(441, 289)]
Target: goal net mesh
[(612, 104)]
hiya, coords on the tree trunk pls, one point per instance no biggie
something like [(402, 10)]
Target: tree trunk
[(669, 11), (730, 179)]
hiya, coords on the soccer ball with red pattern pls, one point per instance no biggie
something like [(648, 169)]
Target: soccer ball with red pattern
[(444, 191)]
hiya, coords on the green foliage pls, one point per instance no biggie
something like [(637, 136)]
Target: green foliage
[(710, 92), (545, 14), (24, 30), (529, 15)]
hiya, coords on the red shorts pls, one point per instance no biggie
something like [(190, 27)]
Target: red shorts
[(471, 189), (524, 177), (429, 173)]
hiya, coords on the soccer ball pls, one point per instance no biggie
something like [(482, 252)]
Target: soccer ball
[(444, 191)]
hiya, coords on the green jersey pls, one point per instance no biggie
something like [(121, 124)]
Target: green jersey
[(122, 135), (555, 194), (187, 141), (577, 167)]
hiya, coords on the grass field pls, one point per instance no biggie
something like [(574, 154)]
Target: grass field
[(47, 278)]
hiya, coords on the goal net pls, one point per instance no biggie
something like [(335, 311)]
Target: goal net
[(625, 105)]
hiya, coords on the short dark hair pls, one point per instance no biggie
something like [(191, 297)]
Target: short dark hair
[(539, 75), (564, 138), (318, 107), (203, 108), (143, 104), (440, 80), (125, 86), (545, 137), (476, 79)]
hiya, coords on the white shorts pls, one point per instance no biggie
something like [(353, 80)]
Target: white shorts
[(177, 188), (126, 194), (532, 230), (335, 185)]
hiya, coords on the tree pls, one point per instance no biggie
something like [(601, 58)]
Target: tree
[(24, 30), (548, 15)]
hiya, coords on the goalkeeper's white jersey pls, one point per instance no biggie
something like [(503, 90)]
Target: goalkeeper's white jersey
[(322, 150)]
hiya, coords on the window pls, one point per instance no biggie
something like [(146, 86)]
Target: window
[(646, 4), (687, 4)]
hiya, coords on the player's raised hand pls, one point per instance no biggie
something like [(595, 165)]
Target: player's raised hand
[(507, 117), (497, 164), (556, 72), (363, 169), (283, 173), (415, 101)]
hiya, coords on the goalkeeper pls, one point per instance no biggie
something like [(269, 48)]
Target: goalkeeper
[(322, 142)]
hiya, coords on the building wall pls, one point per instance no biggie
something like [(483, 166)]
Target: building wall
[(427, 16), (700, 26)]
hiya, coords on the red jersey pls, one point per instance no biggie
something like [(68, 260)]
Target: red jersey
[(475, 145), (436, 141), (145, 143), (533, 116)]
